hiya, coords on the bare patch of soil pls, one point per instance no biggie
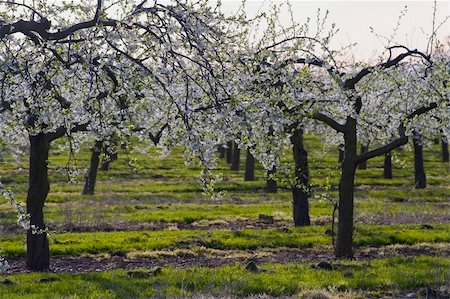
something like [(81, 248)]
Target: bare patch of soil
[(216, 258)]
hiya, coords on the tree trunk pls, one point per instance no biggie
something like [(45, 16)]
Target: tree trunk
[(344, 239), (229, 152), (235, 160), (124, 144), (271, 184), (91, 176), (363, 165), (106, 164), (221, 152), (341, 153), (444, 145), (301, 189), (38, 254), (419, 170), (387, 169), (249, 167)]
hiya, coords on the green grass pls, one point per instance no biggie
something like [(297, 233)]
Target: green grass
[(246, 239), (395, 274), (170, 175), (165, 210), (164, 191)]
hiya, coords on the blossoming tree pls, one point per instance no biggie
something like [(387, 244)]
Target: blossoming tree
[(153, 71)]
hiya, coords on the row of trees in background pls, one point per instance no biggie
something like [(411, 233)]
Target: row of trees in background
[(185, 74), (227, 154)]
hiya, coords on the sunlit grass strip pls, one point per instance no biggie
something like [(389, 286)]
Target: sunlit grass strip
[(247, 239), (376, 277)]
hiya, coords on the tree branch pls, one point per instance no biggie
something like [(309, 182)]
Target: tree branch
[(403, 139), (61, 131), (421, 110), (157, 137), (382, 150), (31, 28), (329, 121), (351, 82)]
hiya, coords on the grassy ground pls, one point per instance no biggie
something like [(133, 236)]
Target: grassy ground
[(247, 239), (376, 278), (157, 209)]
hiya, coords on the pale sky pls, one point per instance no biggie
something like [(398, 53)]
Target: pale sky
[(354, 19)]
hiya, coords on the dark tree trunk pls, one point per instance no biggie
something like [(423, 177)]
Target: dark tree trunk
[(221, 152), (249, 167), (387, 167), (344, 239), (236, 157), (271, 184), (300, 191), (38, 254), (91, 176), (229, 152), (363, 165), (341, 153), (444, 145), (419, 170), (109, 157), (124, 144)]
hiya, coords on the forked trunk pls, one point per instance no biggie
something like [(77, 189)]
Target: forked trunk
[(387, 167), (91, 176), (249, 167), (300, 191), (344, 238), (419, 170), (38, 254)]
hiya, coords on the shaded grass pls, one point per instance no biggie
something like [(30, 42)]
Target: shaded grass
[(395, 274)]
